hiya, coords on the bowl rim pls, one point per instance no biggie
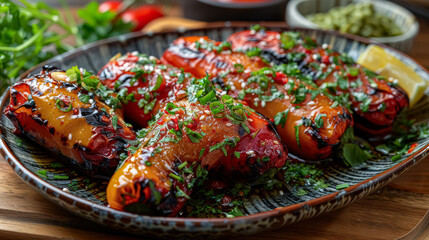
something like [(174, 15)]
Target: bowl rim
[(409, 34), (371, 183), (240, 5)]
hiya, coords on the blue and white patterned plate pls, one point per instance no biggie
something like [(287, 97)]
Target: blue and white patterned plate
[(265, 210)]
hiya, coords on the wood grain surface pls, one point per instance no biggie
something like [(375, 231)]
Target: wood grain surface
[(387, 214)]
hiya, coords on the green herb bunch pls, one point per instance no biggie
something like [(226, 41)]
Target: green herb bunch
[(31, 34)]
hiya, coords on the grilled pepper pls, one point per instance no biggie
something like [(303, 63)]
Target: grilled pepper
[(69, 119)]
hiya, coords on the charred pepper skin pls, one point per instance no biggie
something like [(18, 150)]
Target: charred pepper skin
[(387, 101), (47, 109), (120, 74), (151, 181), (304, 141)]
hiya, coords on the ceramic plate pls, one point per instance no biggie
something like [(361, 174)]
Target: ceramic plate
[(265, 210)]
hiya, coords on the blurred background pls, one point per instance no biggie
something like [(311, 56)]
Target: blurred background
[(32, 30)]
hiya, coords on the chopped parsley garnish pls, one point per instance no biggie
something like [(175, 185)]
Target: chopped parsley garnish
[(201, 153), (300, 94), (254, 51), (84, 98), (18, 142), (181, 76), (281, 117), (61, 177), (115, 122), (217, 107), (345, 58), (239, 68), (158, 84), (142, 133), (342, 186), (181, 193), (182, 165), (289, 39), (354, 71), (318, 120), (194, 136), (43, 173), (256, 27), (227, 142), (74, 74), (91, 83), (171, 108), (309, 43), (297, 135), (174, 176), (235, 212)]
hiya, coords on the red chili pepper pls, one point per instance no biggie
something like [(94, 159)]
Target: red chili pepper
[(413, 146), (307, 51), (105, 119), (176, 124), (325, 59), (280, 78), (192, 125)]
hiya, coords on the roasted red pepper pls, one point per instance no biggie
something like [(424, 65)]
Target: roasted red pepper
[(287, 100), (49, 110), (151, 84), (375, 102), (170, 163)]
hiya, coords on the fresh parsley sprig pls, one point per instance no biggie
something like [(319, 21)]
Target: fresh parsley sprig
[(27, 38)]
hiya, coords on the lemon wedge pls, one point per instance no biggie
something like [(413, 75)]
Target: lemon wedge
[(376, 59)]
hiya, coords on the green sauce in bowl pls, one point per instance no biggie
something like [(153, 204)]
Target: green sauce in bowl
[(359, 19)]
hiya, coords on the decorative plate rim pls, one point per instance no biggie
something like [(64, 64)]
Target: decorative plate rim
[(401, 167)]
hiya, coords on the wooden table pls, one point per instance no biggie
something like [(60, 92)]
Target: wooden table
[(388, 214)]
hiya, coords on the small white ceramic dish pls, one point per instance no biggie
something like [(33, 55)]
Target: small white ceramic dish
[(297, 10)]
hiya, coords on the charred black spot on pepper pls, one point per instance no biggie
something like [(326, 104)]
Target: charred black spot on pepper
[(185, 52), (106, 74), (275, 58), (125, 79), (219, 81), (40, 121), (345, 115), (69, 86), (64, 140), (143, 185), (94, 117), (51, 68), (220, 64), (321, 142), (241, 131)]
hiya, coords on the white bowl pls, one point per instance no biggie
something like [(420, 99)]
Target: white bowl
[(298, 9)]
